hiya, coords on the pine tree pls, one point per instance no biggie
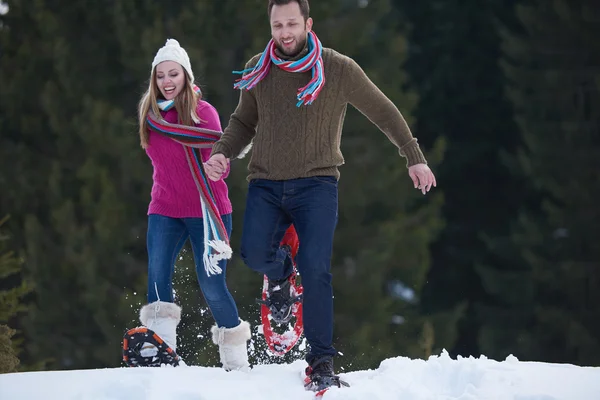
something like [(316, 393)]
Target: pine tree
[(8, 358), (453, 66), (553, 66), (76, 178), (13, 289)]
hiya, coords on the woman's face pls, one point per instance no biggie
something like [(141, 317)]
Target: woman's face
[(170, 79)]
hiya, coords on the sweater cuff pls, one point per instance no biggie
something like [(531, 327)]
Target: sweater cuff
[(413, 153), (221, 148)]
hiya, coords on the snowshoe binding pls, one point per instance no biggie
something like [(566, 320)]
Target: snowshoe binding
[(133, 355), (319, 376)]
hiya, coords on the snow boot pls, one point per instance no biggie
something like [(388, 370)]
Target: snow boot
[(161, 317), (232, 343)]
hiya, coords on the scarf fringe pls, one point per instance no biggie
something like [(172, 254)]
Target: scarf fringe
[(211, 260)]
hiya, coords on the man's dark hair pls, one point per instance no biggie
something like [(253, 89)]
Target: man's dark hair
[(304, 7)]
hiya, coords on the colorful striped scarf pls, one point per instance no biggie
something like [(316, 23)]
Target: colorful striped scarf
[(216, 240), (312, 61)]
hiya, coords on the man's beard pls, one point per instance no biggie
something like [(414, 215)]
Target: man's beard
[(294, 52)]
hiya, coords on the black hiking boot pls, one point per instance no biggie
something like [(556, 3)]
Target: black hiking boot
[(280, 300), (320, 376)]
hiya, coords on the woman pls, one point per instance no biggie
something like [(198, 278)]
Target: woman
[(185, 205)]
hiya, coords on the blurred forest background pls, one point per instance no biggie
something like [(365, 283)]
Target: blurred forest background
[(501, 258)]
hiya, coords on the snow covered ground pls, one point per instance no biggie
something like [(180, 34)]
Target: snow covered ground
[(439, 378)]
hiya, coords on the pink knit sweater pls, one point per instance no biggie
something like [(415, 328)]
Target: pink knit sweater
[(174, 191)]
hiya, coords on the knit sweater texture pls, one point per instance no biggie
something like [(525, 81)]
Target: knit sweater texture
[(174, 191), (296, 142)]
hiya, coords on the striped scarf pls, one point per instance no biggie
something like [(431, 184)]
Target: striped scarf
[(312, 61), (216, 240)]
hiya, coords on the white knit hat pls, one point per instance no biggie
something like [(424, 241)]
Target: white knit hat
[(172, 51)]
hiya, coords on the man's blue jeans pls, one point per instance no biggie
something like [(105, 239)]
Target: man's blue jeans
[(165, 239), (311, 204)]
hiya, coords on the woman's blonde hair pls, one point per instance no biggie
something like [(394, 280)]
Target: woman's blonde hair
[(186, 103)]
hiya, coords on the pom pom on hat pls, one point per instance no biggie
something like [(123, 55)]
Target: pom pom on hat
[(172, 51)]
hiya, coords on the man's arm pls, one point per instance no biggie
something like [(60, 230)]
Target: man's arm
[(367, 98), (241, 128)]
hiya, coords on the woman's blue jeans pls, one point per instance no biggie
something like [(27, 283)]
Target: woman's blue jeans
[(165, 239)]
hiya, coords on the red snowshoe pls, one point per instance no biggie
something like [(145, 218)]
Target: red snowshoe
[(280, 313)]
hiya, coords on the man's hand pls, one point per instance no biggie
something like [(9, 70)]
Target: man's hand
[(216, 166), (422, 177)]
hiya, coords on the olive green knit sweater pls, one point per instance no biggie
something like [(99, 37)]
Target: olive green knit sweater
[(295, 142)]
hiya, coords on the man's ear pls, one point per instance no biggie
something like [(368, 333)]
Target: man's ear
[(309, 24)]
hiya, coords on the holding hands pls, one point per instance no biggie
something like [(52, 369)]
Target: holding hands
[(216, 166)]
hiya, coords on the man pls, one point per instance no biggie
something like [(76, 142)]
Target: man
[(292, 105)]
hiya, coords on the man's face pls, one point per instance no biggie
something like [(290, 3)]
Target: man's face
[(288, 28)]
